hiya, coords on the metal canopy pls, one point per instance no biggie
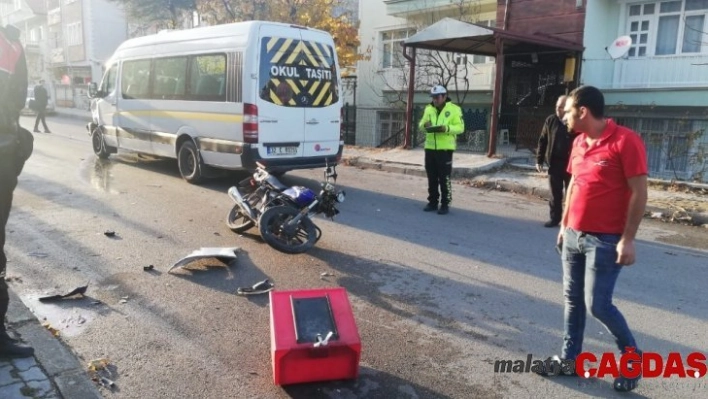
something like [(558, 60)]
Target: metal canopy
[(452, 35)]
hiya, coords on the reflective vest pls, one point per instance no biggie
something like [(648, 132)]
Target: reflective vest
[(451, 117)]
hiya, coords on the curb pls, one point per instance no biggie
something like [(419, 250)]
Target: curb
[(417, 170), (56, 359)]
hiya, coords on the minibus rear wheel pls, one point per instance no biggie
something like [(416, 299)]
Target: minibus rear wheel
[(189, 162)]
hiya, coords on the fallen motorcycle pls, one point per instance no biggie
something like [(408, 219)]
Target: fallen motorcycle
[(282, 213)]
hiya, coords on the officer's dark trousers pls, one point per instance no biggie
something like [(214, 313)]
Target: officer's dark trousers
[(8, 181), (438, 167), (558, 181)]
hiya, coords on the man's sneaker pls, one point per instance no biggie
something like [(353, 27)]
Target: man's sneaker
[(443, 210), (36, 131), (551, 223), (47, 131), (553, 367), (430, 207), (11, 349)]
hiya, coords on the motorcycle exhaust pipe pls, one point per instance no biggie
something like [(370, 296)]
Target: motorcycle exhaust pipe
[(236, 196)]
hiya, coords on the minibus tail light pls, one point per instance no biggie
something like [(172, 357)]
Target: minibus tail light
[(250, 123)]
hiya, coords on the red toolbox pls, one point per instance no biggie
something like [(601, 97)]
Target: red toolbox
[(313, 336)]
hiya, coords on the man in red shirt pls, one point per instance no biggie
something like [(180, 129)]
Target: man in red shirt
[(607, 196)]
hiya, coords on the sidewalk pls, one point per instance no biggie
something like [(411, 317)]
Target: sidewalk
[(685, 203), (53, 372)]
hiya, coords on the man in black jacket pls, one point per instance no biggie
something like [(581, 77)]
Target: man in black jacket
[(554, 149), (13, 94), (41, 99)]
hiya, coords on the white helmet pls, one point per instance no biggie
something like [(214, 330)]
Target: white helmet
[(436, 90)]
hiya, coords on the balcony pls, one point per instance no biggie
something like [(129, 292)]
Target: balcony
[(648, 73), (407, 8)]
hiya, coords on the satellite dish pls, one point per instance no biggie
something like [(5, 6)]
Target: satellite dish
[(619, 47)]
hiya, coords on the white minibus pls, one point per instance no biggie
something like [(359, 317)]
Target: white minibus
[(223, 97)]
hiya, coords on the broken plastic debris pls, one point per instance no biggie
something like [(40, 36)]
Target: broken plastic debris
[(109, 233), (81, 291), (225, 255), (106, 382), (98, 364), (123, 301), (258, 288), (148, 268)]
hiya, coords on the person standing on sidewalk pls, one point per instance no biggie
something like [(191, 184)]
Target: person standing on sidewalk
[(41, 99), (554, 148), (606, 202), (13, 147), (442, 121)]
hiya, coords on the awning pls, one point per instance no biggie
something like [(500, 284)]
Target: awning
[(456, 36)]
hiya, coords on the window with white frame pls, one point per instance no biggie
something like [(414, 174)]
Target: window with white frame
[(392, 51), (54, 16), (74, 35), (668, 27), (390, 123)]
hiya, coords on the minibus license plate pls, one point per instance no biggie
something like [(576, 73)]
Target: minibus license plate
[(282, 150)]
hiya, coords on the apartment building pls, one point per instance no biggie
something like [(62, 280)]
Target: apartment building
[(660, 87), (81, 36), (382, 75)]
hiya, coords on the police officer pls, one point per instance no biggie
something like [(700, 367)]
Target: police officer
[(442, 121), (13, 92)]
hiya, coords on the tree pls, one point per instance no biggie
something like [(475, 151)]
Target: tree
[(333, 16), (160, 13), (453, 71)]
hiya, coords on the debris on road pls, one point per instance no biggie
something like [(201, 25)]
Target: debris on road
[(51, 329), (97, 368), (38, 254), (258, 288), (148, 268), (109, 233), (80, 291), (224, 255)]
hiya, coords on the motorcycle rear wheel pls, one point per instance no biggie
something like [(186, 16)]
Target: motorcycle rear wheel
[(300, 240), (237, 221)]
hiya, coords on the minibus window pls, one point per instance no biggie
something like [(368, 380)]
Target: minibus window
[(297, 73), (170, 78), (207, 79), (135, 79)]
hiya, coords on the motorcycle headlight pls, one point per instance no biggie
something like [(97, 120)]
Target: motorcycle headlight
[(340, 196)]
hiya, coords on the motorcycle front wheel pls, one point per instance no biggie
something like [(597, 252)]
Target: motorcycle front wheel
[(238, 221), (291, 240)]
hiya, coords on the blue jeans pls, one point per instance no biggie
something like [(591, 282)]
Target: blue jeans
[(589, 275)]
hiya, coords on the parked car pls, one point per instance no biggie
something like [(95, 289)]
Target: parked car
[(30, 96)]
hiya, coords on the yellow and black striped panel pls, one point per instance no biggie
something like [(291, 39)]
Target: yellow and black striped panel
[(297, 73)]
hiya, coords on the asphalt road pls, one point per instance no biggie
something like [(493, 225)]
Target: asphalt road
[(437, 299)]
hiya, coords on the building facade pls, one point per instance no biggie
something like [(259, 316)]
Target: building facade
[(382, 74), (81, 36), (660, 87)]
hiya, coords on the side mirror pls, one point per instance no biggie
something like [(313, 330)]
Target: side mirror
[(92, 90)]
